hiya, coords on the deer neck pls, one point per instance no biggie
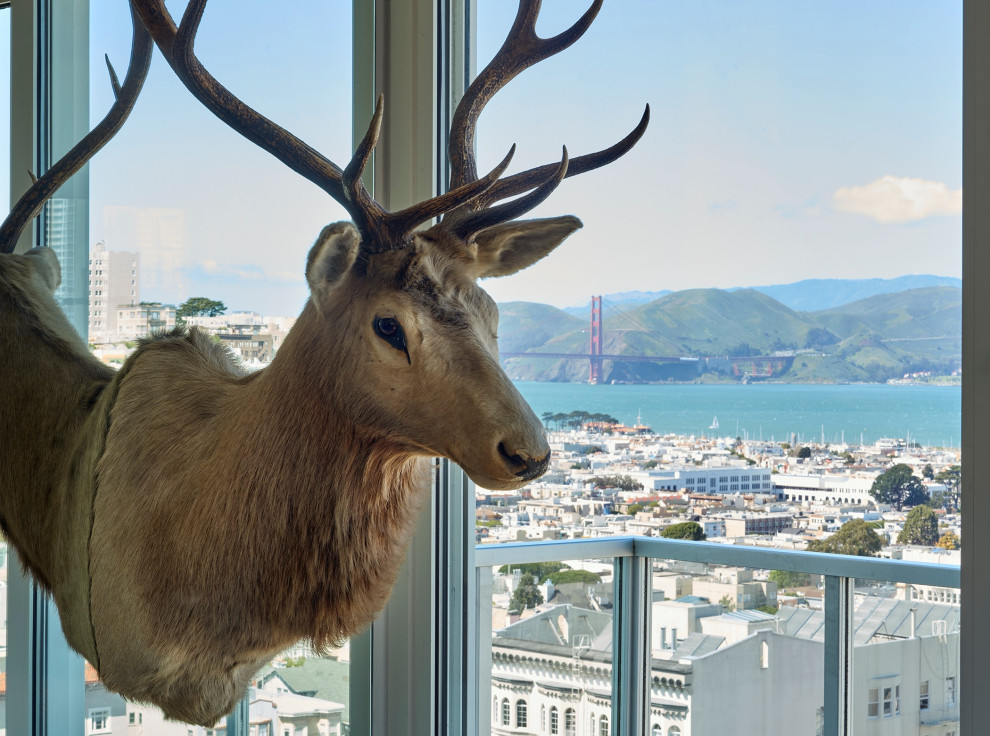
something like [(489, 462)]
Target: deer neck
[(348, 493)]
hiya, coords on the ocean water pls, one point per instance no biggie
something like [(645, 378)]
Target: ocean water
[(929, 415)]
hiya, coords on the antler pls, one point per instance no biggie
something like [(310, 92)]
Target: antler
[(386, 229), (522, 49), (31, 202), (467, 204)]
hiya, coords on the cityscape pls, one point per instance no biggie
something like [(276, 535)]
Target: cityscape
[(723, 639)]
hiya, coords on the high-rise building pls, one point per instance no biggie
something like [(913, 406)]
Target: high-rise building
[(114, 281)]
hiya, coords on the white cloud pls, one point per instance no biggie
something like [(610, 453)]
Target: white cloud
[(893, 199)]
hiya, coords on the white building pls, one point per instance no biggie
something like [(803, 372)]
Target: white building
[(114, 281), (825, 489)]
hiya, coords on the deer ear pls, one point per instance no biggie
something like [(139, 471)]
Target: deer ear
[(513, 246), (330, 258)]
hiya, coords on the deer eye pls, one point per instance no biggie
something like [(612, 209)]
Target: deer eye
[(389, 330)]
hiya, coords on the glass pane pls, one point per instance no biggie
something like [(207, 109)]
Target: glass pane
[(550, 660), (184, 208), (721, 647), (906, 656)]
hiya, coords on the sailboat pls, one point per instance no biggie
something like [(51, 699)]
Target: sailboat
[(714, 424)]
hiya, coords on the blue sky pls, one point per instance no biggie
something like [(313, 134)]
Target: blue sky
[(788, 141)]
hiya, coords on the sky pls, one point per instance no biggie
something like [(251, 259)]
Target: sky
[(788, 141)]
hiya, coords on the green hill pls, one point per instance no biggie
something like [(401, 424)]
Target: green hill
[(873, 339)]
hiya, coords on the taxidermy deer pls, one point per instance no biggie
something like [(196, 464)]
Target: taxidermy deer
[(192, 521)]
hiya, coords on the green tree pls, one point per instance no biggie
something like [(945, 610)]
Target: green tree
[(622, 482), (950, 477), (804, 452), (920, 527), (855, 537), (787, 579), (928, 472), (199, 306), (527, 595), (538, 570), (727, 603), (684, 530), (898, 487), (575, 576), (634, 508), (949, 540)]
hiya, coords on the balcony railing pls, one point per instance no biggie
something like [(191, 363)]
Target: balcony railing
[(632, 595)]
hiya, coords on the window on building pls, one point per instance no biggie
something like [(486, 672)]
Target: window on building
[(603, 726), (554, 722), (873, 703), (521, 719), (764, 655), (674, 731), (888, 701), (570, 722), (923, 700), (950, 689), (506, 712), (656, 730), (99, 720)]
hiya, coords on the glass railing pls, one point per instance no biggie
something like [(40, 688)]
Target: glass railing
[(657, 637)]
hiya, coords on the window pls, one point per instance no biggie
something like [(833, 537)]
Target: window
[(873, 703), (888, 704), (674, 731), (99, 720), (521, 714), (570, 722), (764, 655), (950, 690), (506, 712), (923, 700), (656, 730), (603, 726), (554, 722)]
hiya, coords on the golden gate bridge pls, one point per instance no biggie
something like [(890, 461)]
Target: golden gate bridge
[(757, 366)]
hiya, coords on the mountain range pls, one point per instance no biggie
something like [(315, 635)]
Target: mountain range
[(884, 335)]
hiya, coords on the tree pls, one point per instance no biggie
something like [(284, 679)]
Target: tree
[(950, 478), (787, 579), (575, 576), (804, 452), (920, 527), (898, 487), (684, 530), (928, 472), (527, 595), (855, 537), (727, 603), (199, 306), (622, 482), (634, 508), (949, 540), (538, 570)]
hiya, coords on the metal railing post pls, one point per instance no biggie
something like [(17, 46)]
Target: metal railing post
[(838, 655), (631, 646)]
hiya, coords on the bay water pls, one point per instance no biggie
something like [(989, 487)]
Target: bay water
[(927, 414)]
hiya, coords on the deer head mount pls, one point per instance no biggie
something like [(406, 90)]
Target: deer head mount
[(157, 479)]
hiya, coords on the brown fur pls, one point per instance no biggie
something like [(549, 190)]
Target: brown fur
[(192, 521)]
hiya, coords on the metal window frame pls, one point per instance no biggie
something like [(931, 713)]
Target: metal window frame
[(49, 113)]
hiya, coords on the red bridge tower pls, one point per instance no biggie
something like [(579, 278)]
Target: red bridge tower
[(596, 340)]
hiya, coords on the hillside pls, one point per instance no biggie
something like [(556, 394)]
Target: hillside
[(873, 339)]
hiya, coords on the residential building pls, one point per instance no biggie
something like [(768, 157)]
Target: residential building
[(142, 320), (114, 281)]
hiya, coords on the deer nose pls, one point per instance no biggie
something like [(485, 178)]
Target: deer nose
[(523, 465)]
